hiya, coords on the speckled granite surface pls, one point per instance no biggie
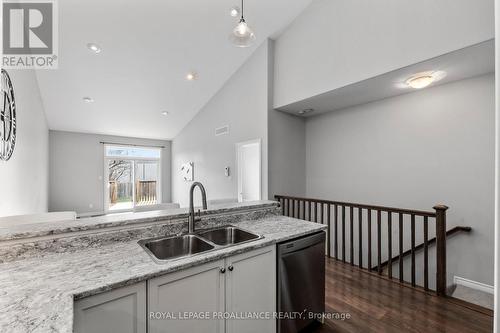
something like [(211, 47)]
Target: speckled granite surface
[(119, 220), (36, 294), (72, 242)]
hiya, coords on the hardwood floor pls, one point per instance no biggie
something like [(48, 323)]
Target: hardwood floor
[(378, 305)]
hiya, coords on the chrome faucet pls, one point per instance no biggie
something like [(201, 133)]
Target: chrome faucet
[(192, 218)]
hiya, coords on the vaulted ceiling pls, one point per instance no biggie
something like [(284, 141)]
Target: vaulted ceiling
[(148, 47)]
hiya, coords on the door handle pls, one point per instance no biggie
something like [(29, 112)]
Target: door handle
[(223, 270), (230, 268)]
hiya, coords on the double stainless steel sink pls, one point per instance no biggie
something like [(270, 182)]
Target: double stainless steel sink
[(178, 247)]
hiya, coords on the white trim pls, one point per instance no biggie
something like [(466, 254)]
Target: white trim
[(473, 284), (238, 162)]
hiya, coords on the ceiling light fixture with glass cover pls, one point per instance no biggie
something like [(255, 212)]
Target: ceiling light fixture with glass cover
[(242, 35), (424, 79)]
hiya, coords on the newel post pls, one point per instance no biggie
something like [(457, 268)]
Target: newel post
[(441, 249)]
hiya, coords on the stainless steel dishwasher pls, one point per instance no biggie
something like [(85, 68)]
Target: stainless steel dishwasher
[(301, 282)]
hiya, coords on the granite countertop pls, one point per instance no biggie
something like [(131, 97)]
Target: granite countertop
[(37, 294), (16, 232)]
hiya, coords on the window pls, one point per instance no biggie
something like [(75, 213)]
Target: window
[(132, 177)]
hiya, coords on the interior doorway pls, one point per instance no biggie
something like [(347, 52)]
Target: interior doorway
[(249, 170)]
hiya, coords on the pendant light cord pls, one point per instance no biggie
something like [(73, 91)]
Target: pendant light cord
[(242, 10)]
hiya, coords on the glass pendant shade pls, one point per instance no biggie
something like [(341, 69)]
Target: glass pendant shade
[(242, 35)]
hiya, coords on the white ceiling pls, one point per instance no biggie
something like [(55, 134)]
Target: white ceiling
[(460, 64), (148, 48)]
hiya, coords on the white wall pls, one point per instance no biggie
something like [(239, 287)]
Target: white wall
[(335, 43), (24, 178), (77, 170), (416, 150), (242, 103)]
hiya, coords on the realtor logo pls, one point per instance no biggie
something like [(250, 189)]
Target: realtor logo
[(29, 35)]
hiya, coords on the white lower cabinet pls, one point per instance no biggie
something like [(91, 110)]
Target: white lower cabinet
[(179, 295), (240, 286), (251, 289), (120, 310)]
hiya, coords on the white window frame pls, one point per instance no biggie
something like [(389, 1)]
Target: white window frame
[(133, 160)]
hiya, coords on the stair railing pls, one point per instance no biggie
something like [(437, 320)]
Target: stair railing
[(340, 218)]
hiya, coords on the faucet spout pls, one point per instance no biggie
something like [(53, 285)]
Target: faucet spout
[(192, 219)]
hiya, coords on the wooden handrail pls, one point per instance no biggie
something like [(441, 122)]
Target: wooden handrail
[(343, 222), (363, 206), (419, 247)]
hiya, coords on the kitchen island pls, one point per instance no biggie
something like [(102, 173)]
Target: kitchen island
[(38, 291)]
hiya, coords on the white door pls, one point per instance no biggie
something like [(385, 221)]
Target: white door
[(251, 288), (183, 296), (249, 170)]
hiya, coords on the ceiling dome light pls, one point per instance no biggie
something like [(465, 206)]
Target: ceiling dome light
[(94, 48), (164, 113), (234, 11), (424, 79), (88, 99), (420, 82), (242, 35)]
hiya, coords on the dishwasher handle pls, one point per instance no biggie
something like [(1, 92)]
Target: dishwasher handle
[(301, 243)]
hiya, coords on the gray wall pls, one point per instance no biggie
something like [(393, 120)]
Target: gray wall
[(496, 321), (287, 150), (287, 145), (77, 170), (416, 150), (336, 43), (24, 178), (242, 103)]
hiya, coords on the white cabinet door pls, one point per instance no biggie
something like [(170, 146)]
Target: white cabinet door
[(251, 287), (121, 310), (192, 291)]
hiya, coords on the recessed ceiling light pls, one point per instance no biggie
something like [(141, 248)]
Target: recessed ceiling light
[(234, 11), (191, 76), (424, 79), (88, 100), (302, 112), (94, 48), (164, 113)]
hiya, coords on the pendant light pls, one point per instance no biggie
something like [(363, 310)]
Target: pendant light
[(242, 35)]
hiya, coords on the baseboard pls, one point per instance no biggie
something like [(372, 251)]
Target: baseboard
[(473, 285)]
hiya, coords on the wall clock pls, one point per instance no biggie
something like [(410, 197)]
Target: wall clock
[(7, 118)]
